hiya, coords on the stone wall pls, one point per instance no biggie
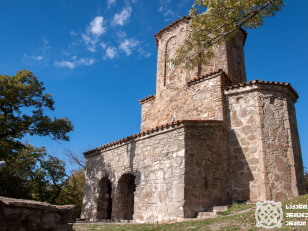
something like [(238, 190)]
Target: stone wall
[(236, 58), (177, 170), (156, 161), (20, 215), (260, 146), (207, 180), (298, 171), (201, 101)]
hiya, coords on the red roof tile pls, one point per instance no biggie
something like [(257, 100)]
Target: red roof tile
[(151, 97), (203, 77), (143, 133), (257, 81)]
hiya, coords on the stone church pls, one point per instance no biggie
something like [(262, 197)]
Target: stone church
[(208, 138)]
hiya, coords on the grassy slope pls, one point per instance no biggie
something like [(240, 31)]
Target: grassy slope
[(244, 221)]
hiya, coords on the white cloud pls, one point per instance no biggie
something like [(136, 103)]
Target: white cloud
[(31, 57), (128, 45), (76, 63), (111, 3), (73, 33), (111, 52), (96, 29), (96, 26), (144, 53), (121, 18)]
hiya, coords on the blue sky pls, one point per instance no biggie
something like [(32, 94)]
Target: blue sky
[(98, 58)]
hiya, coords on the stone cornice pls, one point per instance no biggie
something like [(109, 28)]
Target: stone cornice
[(261, 85)]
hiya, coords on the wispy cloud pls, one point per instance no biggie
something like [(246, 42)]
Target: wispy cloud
[(121, 18), (103, 45), (25, 57), (121, 34), (143, 53), (65, 53), (111, 3), (128, 45), (45, 45), (75, 63), (111, 52), (93, 31), (73, 33), (165, 9)]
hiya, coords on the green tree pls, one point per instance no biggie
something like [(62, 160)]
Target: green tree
[(213, 21), (32, 174), (73, 187), (29, 173), (21, 92), (73, 191)]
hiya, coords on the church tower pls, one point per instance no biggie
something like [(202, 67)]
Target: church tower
[(175, 99)]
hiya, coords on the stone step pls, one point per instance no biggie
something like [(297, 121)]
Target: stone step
[(220, 208), (207, 215)]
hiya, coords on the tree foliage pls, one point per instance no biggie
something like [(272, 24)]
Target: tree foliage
[(18, 94), (32, 174), (72, 191), (213, 21), (29, 173)]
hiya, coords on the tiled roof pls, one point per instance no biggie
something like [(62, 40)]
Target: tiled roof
[(151, 97), (257, 81), (146, 132), (203, 77)]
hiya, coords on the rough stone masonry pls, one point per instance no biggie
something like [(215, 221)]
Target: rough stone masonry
[(208, 138)]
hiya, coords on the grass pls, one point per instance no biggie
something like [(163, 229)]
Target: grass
[(244, 221), (237, 208)]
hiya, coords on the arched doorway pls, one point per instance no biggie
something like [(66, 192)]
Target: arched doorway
[(125, 197), (104, 202)]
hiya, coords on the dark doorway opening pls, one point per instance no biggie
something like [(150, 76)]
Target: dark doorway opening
[(126, 189), (104, 203)]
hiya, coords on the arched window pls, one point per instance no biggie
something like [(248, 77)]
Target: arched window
[(169, 55), (170, 60)]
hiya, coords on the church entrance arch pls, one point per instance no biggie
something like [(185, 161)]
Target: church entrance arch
[(104, 202), (125, 196)]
